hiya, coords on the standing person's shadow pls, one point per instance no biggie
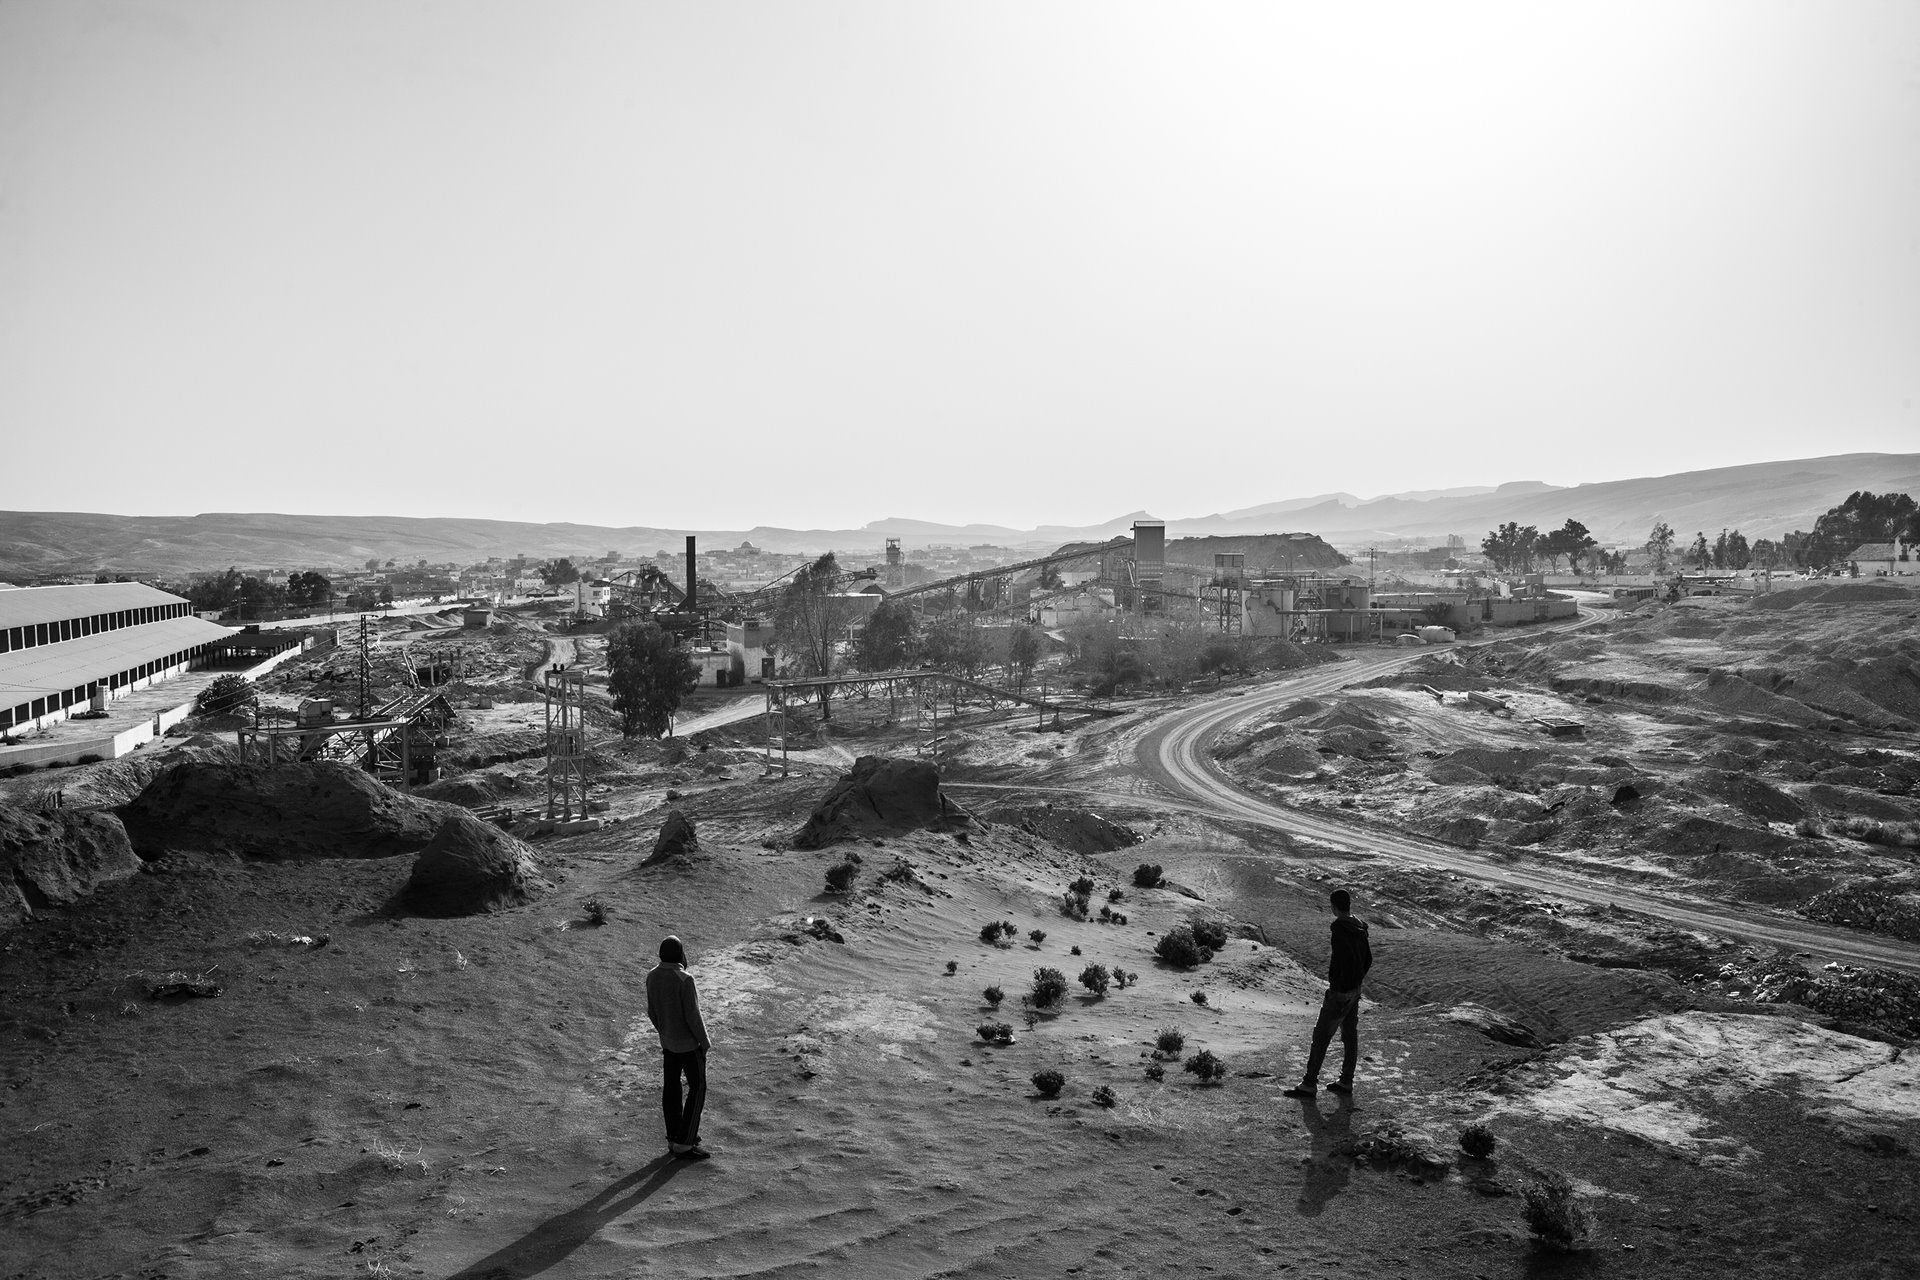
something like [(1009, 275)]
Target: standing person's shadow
[(553, 1240), (1329, 1167)]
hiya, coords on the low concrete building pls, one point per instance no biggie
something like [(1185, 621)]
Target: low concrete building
[(1883, 559), (747, 642)]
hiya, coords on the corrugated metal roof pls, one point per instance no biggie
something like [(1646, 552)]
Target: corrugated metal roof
[(30, 605), (1874, 551), (26, 674)]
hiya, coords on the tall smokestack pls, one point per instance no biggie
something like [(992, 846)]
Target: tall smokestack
[(693, 583)]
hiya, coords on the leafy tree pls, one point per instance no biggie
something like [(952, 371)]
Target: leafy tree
[(558, 573), (1023, 653), (309, 588), (1795, 548), (1660, 545), (1765, 554), (891, 638), (373, 564), (1512, 547), (1050, 579), (1570, 540), (1863, 517), (1738, 554), (1700, 554), (806, 623), (225, 694), (648, 675), (954, 644)]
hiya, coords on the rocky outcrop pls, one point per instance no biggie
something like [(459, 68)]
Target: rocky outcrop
[(1074, 829), (319, 809), (57, 858), (880, 795), (471, 867)]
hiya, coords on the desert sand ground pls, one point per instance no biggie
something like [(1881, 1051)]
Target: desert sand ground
[(477, 1097)]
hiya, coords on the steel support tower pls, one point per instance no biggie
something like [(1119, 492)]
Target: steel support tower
[(566, 744)]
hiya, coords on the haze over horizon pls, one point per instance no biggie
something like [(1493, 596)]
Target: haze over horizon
[(811, 267)]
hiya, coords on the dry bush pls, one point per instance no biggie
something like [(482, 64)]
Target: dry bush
[(994, 995), (1000, 1033), (1147, 876), (1048, 1083), (1210, 934), (1555, 1215), (1478, 1141), (1178, 948), (1207, 1066), (1096, 979), (1170, 1041), (840, 877), (1103, 1096)]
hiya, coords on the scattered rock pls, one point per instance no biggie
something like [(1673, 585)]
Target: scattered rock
[(1074, 829), (471, 867)]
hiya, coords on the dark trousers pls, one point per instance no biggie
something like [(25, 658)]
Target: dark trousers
[(1342, 1010), (683, 1117)]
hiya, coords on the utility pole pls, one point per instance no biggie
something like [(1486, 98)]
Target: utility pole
[(366, 666)]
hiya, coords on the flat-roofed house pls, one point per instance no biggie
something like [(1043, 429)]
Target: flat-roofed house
[(61, 645)]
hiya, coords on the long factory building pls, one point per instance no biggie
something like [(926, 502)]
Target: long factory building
[(60, 646)]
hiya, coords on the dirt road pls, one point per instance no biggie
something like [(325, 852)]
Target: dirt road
[(1177, 754)]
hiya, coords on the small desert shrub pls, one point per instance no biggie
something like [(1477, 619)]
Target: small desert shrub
[(1205, 1065), (1156, 1072), (1049, 988), (840, 878), (1873, 831), (89, 758), (1122, 979), (1478, 1141), (1210, 934), (991, 933), (1147, 876), (595, 911), (1810, 829), (1198, 997), (1082, 888), (953, 967), (1103, 1096), (1036, 936), (1074, 906), (1073, 951), (1116, 894), (994, 996), (995, 1032), (1048, 1083), (898, 872), (1096, 979), (1178, 948), (1170, 1041), (1555, 1215)]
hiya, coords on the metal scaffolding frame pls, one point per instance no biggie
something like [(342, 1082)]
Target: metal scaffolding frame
[(566, 743)]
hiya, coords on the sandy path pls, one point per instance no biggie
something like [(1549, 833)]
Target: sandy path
[(746, 709)]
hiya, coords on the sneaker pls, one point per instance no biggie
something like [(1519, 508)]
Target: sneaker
[(693, 1153), (1299, 1091), (1343, 1089)]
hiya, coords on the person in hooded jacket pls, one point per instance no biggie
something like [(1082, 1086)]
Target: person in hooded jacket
[(673, 1006), (1346, 967)]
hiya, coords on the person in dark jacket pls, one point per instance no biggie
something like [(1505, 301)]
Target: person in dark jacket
[(1346, 967), (673, 1006)]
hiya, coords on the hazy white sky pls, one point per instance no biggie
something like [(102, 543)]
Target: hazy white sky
[(811, 264)]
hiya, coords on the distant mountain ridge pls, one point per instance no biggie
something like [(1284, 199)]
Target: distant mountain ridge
[(1762, 499)]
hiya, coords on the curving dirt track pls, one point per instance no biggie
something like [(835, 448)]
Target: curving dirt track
[(1177, 754)]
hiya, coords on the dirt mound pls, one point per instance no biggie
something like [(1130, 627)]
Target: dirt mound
[(1874, 908), (320, 809), (879, 795), (472, 790), (471, 867), (52, 859), (1751, 796), (112, 783), (1848, 802), (1074, 829), (485, 749), (1494, 764), (1837, 593), (1733, 692), (1697, 837), (676, 838)]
